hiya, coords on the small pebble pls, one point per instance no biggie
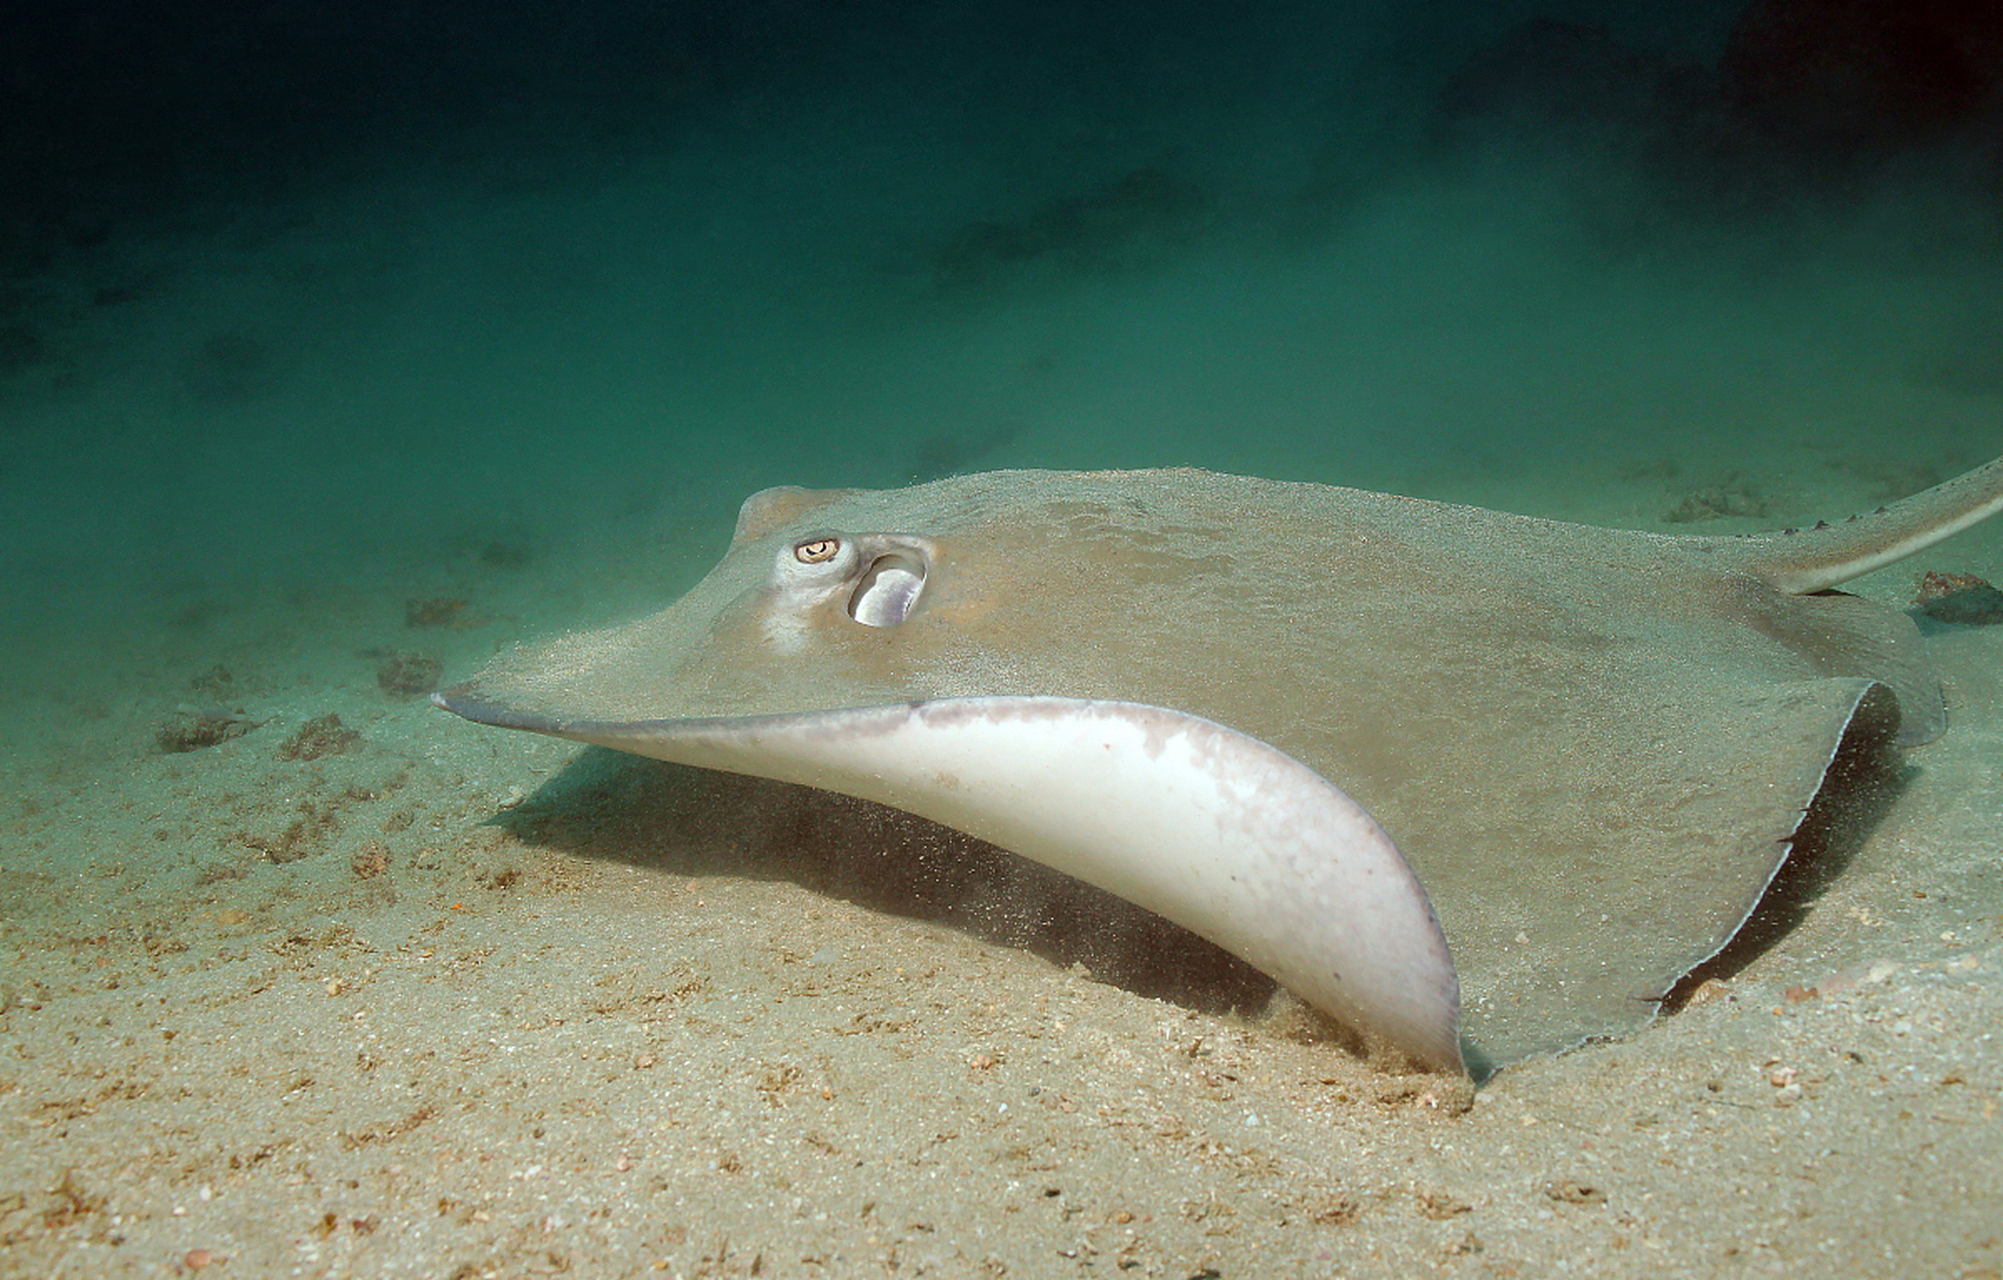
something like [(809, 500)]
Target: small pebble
[(1959, 598)]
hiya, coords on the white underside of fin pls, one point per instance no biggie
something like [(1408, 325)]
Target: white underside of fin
[(1211, 828)]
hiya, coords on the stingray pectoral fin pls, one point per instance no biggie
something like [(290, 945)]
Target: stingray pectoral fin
[(1213, 829)]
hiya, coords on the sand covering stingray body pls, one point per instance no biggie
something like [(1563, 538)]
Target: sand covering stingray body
[(1459, 777)]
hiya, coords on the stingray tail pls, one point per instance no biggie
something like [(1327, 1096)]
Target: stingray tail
[(1800, 561)]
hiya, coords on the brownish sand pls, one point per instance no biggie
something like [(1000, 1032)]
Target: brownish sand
[(442, 1002)]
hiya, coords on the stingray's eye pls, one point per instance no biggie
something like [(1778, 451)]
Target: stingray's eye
[(817, 550)]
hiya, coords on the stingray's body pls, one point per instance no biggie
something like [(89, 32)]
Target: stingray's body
[(1592, 748)]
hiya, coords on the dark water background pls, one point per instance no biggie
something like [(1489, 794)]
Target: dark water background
[(293, 291)]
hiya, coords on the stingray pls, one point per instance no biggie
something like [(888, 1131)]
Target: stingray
[(1477, 785)]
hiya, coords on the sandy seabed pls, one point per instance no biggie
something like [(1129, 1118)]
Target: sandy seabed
[(404, 997)]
